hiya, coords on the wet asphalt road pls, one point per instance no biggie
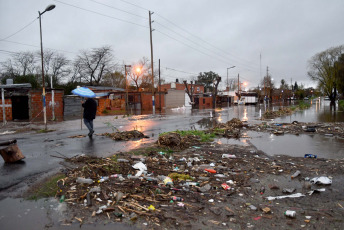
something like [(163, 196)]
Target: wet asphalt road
[(43, 149)]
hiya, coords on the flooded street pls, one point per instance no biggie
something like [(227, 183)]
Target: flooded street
[(41, 150)]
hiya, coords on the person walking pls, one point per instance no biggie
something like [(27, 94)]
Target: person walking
[(90, 109)]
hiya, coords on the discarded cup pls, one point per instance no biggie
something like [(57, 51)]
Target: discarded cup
[(290, 213)]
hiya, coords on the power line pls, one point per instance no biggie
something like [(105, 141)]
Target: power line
[(134, 5), (119, 9), (191, 46), (192, 34), (18, 30), (64, 51), (94, 12)]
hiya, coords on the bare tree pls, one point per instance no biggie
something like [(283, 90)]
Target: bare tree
[(95, 64), (116, 79), (141, 76), (21, 63), (56, 66)]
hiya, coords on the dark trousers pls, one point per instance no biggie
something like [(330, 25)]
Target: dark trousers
[(89, 124)]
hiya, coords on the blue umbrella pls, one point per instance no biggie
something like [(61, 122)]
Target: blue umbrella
[(83, 92)]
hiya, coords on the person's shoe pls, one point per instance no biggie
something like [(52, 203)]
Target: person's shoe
[(90, 133)]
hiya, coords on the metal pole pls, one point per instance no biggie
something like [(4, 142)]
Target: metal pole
[(3, 105), (159, 89), (52, 97), (43, 81), (151, 45)]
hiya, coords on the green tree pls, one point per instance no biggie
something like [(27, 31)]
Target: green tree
[(325, 70), (208, 79)]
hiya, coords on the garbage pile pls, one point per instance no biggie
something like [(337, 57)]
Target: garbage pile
[(125, 135), (203, 186), (269, 114), (231, 129), (174, 140)]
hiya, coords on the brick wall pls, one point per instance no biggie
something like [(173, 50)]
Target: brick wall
[(147, 104), (205, 102), (8, 110), (36, 105)]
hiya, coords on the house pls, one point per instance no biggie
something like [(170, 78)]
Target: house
[(176, 95), (21, 102)]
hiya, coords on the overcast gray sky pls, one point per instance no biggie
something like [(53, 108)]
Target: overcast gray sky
[(189, 36)]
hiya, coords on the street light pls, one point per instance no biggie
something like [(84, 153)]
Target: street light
[(227, 84), (50, 7)]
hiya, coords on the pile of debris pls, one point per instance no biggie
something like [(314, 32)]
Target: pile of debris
[(231, 129), (204, 186), (125, 135), (280, 112), (174, 140)]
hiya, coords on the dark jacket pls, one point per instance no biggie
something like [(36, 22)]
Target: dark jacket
[(90, 109)]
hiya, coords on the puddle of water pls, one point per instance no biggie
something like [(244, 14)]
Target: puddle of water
[(298, 146), (42, 214)]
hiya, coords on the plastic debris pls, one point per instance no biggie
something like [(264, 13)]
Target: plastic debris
[(310, 156), (84, 181), (141, 167), (296, 174), (151, 207), (316, 190), (225, 186), (168, 181), (295, 195), (210, 170), (321, 180), (290, 213), (228, 156), (288, 190)]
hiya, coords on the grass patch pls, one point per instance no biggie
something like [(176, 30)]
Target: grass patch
[(45, 130), (47, 188), (341, 105), (303, 105), (205, 137)]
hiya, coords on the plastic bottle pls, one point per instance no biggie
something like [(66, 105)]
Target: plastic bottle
[(84, 180), (290, 213), (192, 183), (228, 156), (297, 173), (115, 175), (123, 160), (62, 198), (176, 198), (262, 190)]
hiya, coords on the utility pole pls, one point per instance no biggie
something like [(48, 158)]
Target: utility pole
[(159, 88), (238, 89), (267, 74), (151, 45)]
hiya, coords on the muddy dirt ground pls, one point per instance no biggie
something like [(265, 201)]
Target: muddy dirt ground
[(213, 186)]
